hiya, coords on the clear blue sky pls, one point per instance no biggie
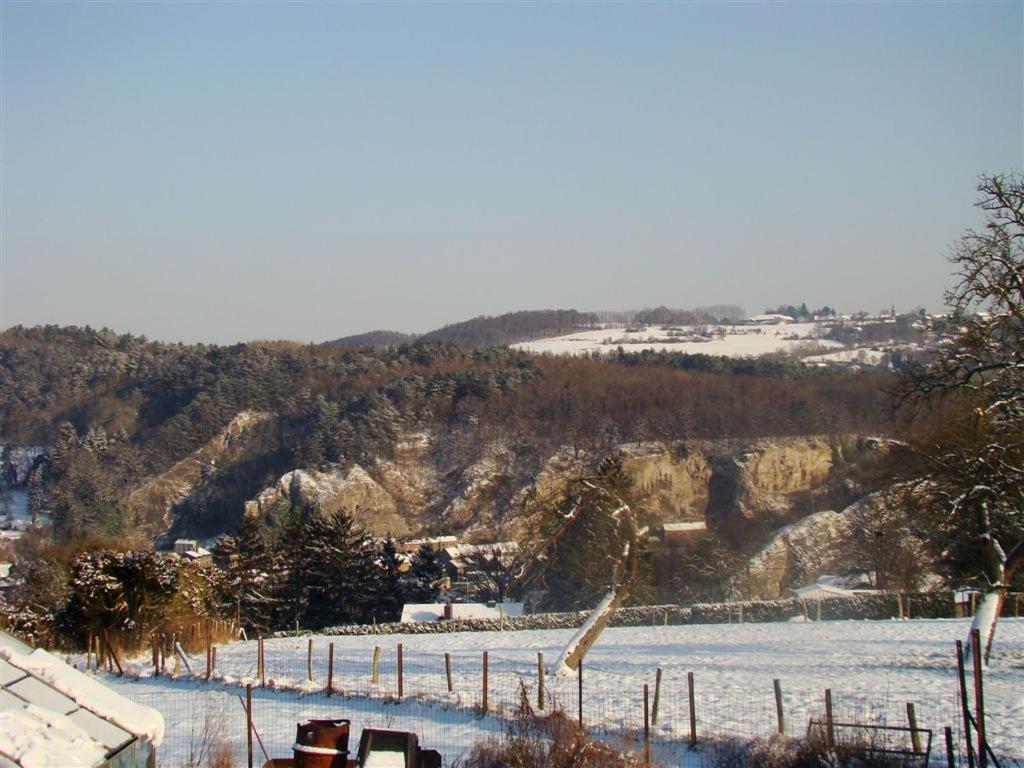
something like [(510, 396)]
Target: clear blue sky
[(234, 171)]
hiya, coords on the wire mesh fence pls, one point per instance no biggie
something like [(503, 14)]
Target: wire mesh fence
[(454, 700)]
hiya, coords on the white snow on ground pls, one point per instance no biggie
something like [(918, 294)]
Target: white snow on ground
[(872, 667), (730, 341)]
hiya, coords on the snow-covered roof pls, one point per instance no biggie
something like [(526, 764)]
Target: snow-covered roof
[(413, 612), (828, 584), (461, 555), (434, 542), (771, 319), (52, 714), (197, 553)]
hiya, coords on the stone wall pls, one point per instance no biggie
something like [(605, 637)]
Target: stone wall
[(921, 605)]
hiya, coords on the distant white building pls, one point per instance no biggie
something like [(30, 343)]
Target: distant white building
[(683, 532), (416, 612), (463, 560), (771, 319), (191, 551), (436, 543)]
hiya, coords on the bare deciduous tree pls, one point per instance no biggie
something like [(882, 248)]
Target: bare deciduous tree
[(973, 481)]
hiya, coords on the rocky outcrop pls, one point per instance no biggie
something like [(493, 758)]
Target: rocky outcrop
[(671, 485), (328, 492), (745, 488), (472, 500), (152, 505), (795, 556), (751, 489), (799, 553)]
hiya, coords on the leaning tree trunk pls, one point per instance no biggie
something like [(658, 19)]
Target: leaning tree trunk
[(587, 635), (1001, 568)]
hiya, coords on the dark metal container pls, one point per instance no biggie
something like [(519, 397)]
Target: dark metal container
[(322, 744)]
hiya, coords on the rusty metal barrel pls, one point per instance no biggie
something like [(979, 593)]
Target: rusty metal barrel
[(322, 744)]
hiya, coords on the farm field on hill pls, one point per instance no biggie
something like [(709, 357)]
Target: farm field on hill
[(872, 667), (727, 340)]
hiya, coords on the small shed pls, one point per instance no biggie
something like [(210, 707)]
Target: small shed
[(683, 532), (54, 715), (820, 592)]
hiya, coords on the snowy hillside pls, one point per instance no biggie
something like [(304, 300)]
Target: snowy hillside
[(726, 340)]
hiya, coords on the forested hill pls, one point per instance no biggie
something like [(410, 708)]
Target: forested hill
[(118, 410), (485, 331), (375, 339)]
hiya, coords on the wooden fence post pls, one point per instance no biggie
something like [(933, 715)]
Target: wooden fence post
[(647, 729), (979, 698), (330, 669), (817, 609), (88, 651), (248, 721), (779, 714), (915, 737), (485, 684), (540, 680), (965, 707), (375, 668), (693, 713), (950, 755), (401, 675), (657, 696), (213, 660), (156, 656), (830, 733), (909, 612), (309, 661), (259, 659), (448, 669)]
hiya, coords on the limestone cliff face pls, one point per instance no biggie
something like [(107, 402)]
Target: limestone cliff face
[(670, 485), (795, 556), (152, 505), (798, 554), (353, 491), (752, 485), (491, 493)]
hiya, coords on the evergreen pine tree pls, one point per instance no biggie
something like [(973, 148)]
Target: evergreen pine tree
[(255, 578), (423, 582), (338, 571), (390, 589)]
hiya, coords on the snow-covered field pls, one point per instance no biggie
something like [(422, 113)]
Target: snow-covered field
[(872, 667), (730, 341)]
